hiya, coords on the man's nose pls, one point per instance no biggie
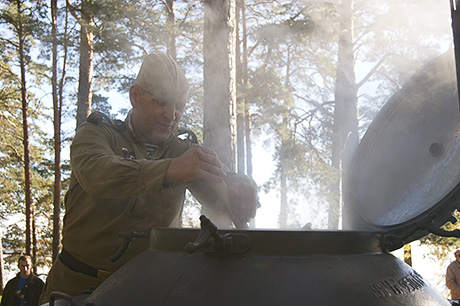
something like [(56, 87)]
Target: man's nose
[(170, 111)]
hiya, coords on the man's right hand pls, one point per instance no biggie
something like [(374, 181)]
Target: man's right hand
[(198, 162)]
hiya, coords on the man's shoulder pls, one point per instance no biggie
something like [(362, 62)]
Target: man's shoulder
[(454, 265), (182, 138), (13, 280), (101, 119), (35, 279)]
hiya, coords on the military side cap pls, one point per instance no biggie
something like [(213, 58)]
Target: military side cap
[(161, 76)]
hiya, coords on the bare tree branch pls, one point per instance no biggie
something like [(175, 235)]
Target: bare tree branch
[(372, 71)]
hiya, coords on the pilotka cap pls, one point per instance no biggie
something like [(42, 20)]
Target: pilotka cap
[(161, 76)]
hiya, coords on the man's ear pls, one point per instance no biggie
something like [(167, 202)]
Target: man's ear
[(134, 94)]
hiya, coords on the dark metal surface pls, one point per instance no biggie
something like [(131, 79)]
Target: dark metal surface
[(280, 268), (62, 299), (209, 237), (126, 239), (455, 14), (406, 170)]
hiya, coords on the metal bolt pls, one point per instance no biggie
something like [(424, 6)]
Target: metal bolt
[(435, 148)]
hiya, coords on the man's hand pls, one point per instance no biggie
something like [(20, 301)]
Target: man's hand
[(201, 164), (198, 162), (242, 195)]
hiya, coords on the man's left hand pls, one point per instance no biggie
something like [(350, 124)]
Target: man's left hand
[(243, 197)]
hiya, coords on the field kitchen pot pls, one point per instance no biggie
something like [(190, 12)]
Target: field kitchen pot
[(265, 268)]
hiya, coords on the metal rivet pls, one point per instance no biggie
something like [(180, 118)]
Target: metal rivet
[(435, 148)]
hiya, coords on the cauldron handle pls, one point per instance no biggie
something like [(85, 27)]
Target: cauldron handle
[(61, 295), (128, 238), (208, 229), (235, 243), (428, 224)]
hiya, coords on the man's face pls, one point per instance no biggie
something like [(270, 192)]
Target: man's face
[(457, 256), (25, 266), (154, 121)]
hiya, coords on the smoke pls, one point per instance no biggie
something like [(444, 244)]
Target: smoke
[(392, 40)]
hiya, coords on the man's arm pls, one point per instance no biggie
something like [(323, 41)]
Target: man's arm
[(232, 200), (212, 208), (243, 198), (101, 171), (8, 292), (196, 163), (213, 185)]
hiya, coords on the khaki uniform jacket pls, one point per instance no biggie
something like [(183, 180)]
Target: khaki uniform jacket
[(114, 187), (453, 279)]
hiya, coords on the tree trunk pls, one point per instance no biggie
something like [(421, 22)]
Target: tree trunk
[(2, 269), (171, 24), (34, 241), (219, 105), (27, 175), (345, 137), (247, 115), (240, 120), (347, 91), (244, 152), (285, 136), (57, 139), (85, 95), (219, 98), (240, 143), (284, 210), (284, 201), (247, 133)]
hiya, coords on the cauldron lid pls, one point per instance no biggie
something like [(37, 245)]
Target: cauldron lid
[(407, 167)]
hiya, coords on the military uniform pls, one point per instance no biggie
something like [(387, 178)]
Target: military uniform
[(114, 187)]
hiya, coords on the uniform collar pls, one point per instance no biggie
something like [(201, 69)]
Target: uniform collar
[(129, 125)]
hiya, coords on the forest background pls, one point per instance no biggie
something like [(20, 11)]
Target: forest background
[(284, 90)]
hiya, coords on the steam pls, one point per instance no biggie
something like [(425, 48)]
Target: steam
[(404, 35)]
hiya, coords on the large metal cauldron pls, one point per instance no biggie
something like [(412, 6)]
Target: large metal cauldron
[(265, 268), (403, 184)]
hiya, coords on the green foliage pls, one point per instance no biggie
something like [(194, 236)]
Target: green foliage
[(289, 84), (11, 140), (12, 192), (443, 247)]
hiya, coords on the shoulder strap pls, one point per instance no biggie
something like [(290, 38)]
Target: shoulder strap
[(187, 134), (99, 118)]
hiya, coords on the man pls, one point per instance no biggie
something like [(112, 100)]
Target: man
[(453, 277), (25, 288), (132, 176)]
